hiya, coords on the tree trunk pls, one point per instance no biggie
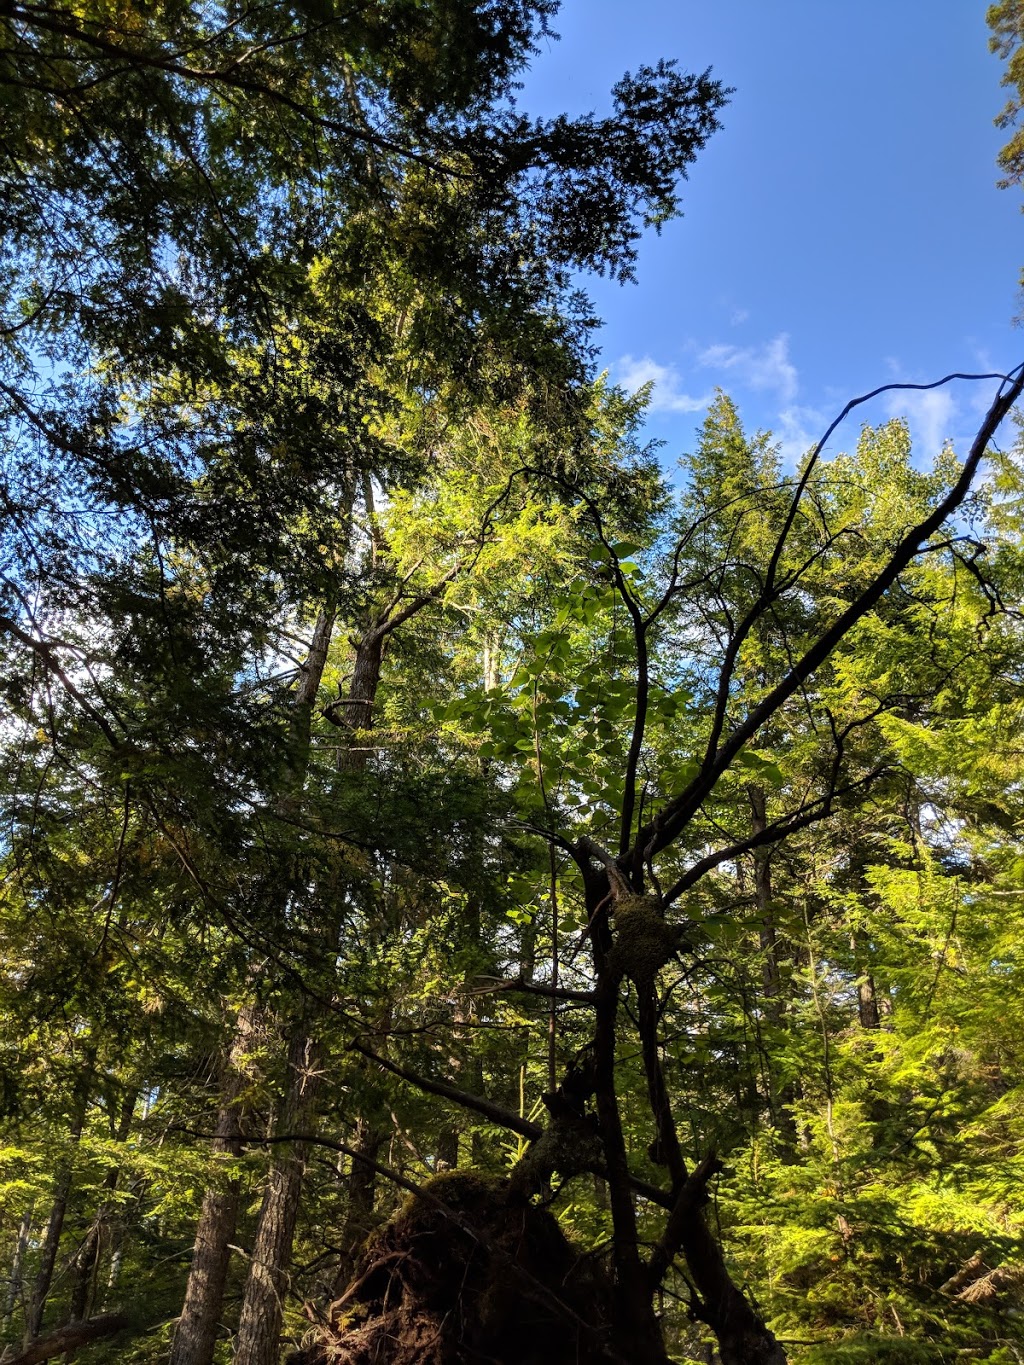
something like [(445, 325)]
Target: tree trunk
[(87, 1261), (58, 1209), (262, 1308), (259, 1328), (48, 1256), (17, 1262), (446, 1157), (867, 1000), (743, 1339), (116, 1258), (195, 1336), (362, 1187), (770, 966), (780, 1097), (635, 1323), (85, 1264)]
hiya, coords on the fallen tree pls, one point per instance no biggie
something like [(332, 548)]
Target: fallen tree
[(70, 1338)]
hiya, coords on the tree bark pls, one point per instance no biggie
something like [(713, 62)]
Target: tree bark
[(635, 1324), (116, 1258), (780, 1097), (17, 1261), (867, 999), (262, 1308), (770, 970), (259, 1328), (48, 1255), (87, 1261), (362, 1187), (58, 1209), (195, 1336), (743, 1339)]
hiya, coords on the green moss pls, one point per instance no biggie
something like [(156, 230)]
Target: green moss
[(644, 942)]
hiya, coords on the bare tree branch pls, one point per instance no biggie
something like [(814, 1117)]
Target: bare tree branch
[(674, 817)]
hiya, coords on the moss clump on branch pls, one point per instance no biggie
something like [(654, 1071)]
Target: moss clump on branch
[(567, 1145), (644, 942), (467, 1270)]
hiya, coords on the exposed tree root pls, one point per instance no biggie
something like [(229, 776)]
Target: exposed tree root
[(468, 1271)]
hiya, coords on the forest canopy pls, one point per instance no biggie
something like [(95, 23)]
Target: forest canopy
[(472, 889)]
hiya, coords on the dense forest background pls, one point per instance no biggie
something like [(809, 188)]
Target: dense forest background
[(471, 892)]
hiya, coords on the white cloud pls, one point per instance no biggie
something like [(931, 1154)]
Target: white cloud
[(798, 430), (738, 316), (932, 414), (667, 396), (766, 367)]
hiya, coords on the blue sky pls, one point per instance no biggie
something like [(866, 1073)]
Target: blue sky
[(844, 228)]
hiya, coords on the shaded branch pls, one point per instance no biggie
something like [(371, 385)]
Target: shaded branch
[(781, 829), (533, 988), (46, 652), (691, 1198), (496, 1112)]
